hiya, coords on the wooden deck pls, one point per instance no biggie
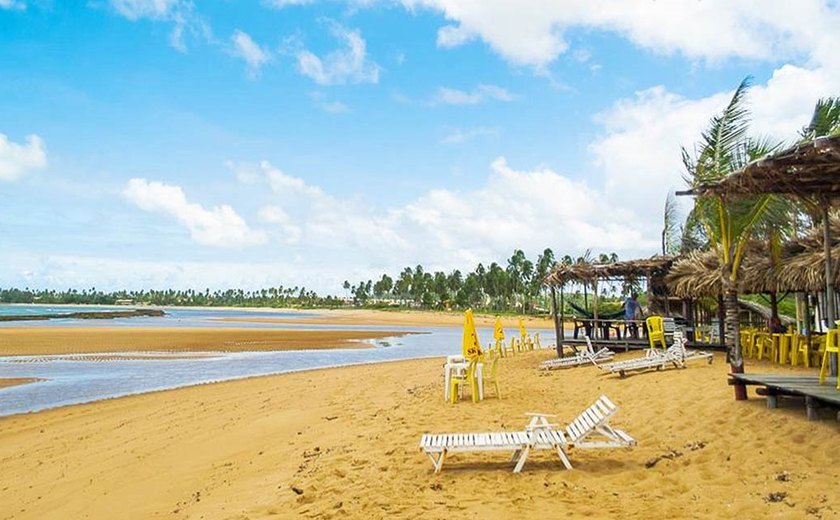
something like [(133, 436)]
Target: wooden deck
[(779, 385)]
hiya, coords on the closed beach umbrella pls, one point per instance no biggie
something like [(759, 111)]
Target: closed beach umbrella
[(471, 347), (522, 331), (498, 330)]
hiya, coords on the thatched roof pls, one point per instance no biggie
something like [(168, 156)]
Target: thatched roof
[(810, 170), (698, 274), (584, 272), (801, 267)]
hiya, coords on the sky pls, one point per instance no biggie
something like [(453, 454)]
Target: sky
[(255, 143)]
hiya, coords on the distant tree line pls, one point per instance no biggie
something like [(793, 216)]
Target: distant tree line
[(517, 286), (272, 297)]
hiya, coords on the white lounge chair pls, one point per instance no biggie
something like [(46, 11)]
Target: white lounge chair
[(539, 434), (675, 355), (584, 357)]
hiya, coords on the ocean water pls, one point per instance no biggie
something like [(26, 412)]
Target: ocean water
[(83, 378)]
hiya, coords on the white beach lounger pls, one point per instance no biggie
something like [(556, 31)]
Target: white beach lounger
[(584, 357), (675, 355), (539, 434)]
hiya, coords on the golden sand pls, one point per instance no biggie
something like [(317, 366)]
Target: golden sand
[(14, 381), (342, 443), (398, 317), (70, 340)]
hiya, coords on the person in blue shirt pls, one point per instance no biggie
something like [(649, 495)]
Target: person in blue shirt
[(632, 309)]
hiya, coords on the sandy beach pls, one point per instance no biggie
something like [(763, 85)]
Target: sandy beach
[(399, 317), (322, 444), (75, 340)]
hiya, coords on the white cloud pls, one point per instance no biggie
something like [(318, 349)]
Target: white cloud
[(108, 273), (276, 215), (639, 150), (154, 9), (480, 94), (279, 4), (219, 226), (180, 13), (346, 65), (16, 160), (447, 229), (246, 48), (533, 32), (462, 136), (12, 4)]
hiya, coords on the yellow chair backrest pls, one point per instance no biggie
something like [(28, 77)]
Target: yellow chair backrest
[(656, 331), (832, 341), (655, 324)]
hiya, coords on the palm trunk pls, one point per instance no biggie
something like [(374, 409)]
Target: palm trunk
[(733, 330)]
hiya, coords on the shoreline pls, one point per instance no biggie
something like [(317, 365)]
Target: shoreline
[(22, 341)]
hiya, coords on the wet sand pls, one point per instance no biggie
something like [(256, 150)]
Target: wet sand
[(342, 443), (73, 340), (14, 381)]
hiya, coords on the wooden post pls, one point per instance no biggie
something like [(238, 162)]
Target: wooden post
[(829, 284), (557, 324)]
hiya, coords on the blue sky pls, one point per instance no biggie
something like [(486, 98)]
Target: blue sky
[(169, 143)]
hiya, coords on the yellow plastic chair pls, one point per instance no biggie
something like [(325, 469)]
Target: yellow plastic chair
[(763, 344), (748, 343), (785, 340), (511, 347), (817, 348), (802, 351), (656, 331), (491, 376), (832, 345), (537, 344), (458, 381)]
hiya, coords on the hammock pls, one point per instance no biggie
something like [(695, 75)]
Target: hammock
[(588, 315)]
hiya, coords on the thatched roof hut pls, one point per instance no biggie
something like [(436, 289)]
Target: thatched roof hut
[(583, 272)]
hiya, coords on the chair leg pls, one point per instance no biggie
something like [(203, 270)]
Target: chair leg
[(563, 457), (522, 458), (824, 367)]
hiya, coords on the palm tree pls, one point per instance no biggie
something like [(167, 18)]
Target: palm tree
[(825, 120), (728, 222)]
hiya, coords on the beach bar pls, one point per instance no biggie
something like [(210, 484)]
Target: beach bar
[(808, 172)]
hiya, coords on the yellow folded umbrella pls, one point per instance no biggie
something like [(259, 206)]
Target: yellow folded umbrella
[(498, 330), (522, 331), (471, 346)]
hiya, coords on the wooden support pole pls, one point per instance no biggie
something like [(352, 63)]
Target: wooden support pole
[(557, 323), (829, 284)]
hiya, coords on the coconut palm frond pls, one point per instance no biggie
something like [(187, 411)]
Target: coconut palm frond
[(722, 143), (825, 119), (671, 230)]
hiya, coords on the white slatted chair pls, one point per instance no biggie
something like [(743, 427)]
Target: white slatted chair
[(595, 422), (539, 434), (438, 446), (675, 355), (583, 357)]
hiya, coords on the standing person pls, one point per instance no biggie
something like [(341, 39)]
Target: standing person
[(632, 310)]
